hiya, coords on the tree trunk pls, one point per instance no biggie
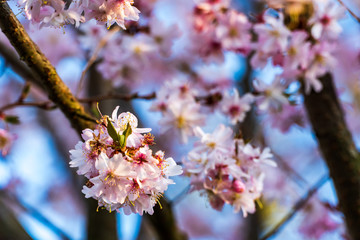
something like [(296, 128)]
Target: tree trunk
[(338, 149)]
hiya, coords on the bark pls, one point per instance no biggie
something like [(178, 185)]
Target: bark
[(57, 91), (164, 219), (338, 149), (10, 226)]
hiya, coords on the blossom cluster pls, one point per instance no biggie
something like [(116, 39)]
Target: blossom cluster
[(303, 54), (227, 170), (129, 60), (182, 107), (56, 13), (123, 171)]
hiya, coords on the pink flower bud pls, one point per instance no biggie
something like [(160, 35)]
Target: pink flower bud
[(238, 186)]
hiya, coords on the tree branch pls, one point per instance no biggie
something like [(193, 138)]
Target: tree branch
[(164, 219), (57, 91), (33, 212), (350, 11), (338, 149), (112, 96), (297, 206), (48, 105), (94, 56), (42, 105), (10, 226)]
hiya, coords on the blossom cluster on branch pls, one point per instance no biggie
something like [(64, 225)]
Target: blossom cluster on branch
[(305, 52), (56, 13), (227, 170), (123, 171)]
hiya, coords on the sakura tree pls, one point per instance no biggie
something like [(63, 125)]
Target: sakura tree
[(158, 106)]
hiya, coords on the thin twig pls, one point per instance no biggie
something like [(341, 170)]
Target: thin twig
[(125, 97), (46, 105), (29, 52), (93, 58), (297, 206), (350, 11)]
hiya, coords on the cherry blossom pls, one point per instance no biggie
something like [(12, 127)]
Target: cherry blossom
[(272, 95), (233, 32), (110, 12), (182, 116), (227, 169), (273, 34), (325, 20), (235, 107), (122, 170)]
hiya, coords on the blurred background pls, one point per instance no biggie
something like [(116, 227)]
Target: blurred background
[(41, 196)]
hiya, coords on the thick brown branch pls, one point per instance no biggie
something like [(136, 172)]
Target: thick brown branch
[(57, 91), (338, 149), (10, 226), (164, 219), (33, 212)]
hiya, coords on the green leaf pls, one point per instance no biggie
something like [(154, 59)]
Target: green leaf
[(112, 131), (125, 135), (12, 119), (122, 141), (127, 131)]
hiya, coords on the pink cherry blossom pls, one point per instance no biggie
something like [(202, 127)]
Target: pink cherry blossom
[(236, 107), (273, 34), (272, 95), (325, 20), (233, 32), (182, 116), (126, 174)]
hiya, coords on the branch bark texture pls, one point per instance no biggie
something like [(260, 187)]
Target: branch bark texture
[(57, 91), (164, 219), (338, 149)]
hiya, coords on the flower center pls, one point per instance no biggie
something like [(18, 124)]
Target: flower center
[(234, 110), (325, 20)]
